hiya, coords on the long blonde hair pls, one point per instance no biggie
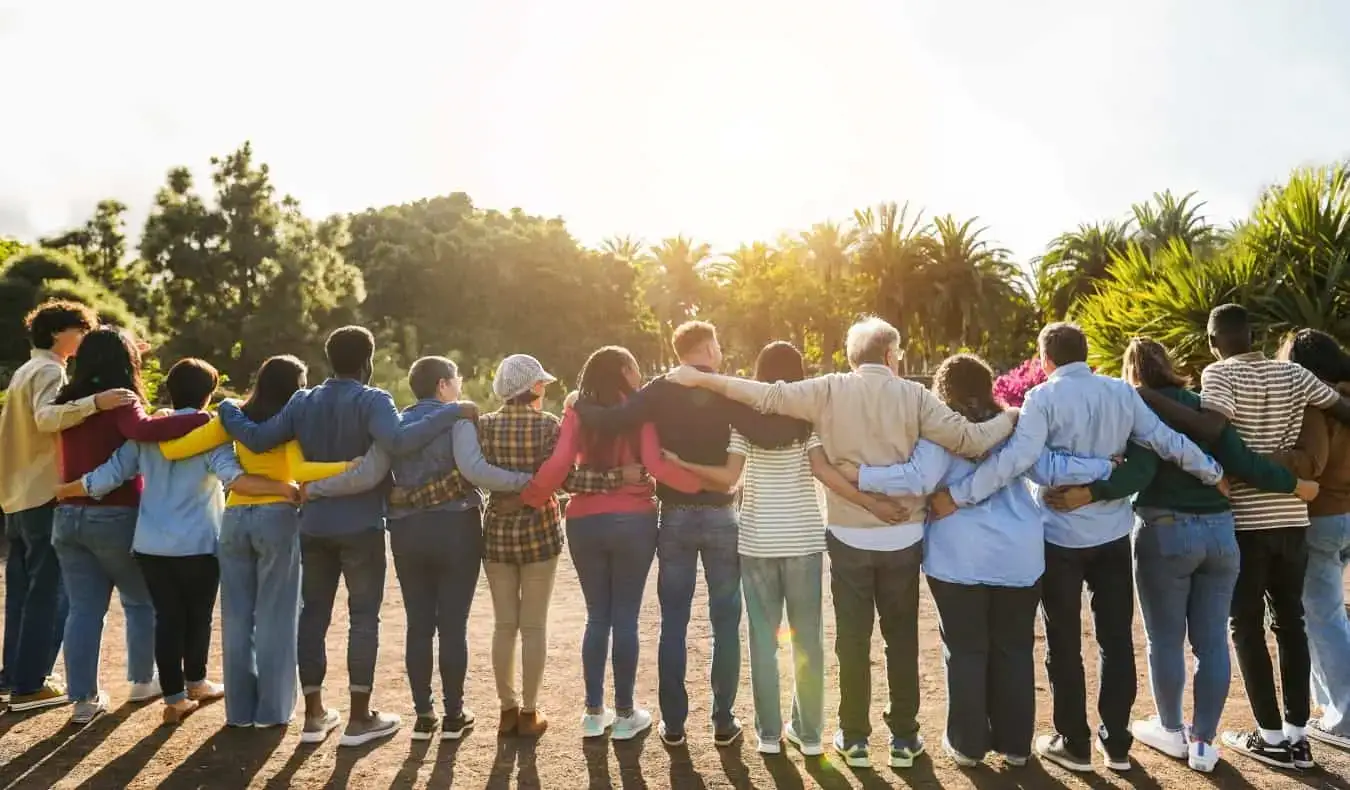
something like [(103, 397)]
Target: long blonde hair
[(1146, 363)]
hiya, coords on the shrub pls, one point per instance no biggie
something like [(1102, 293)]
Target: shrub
[(1012, 387)]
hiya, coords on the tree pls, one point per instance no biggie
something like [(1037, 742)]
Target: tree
[(831, 249), (100, 244), (1075, 262), (891, 253), (1166, 218)]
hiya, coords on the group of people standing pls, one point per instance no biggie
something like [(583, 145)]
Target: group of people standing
[(1004, 510)]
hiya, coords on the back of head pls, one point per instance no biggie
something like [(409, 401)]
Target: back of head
[(1230, 329), (779, 361), (1146, 363), (53, 317), (966, 384), (1062, 343), (691, 338), (1319, 353), (604, 381), (107, 359), (277, 380), (426, 374), (869, 342), (191, 383), (350, 351)]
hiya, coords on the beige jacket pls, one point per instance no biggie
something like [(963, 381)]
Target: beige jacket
[(29, 426), (872, 416)]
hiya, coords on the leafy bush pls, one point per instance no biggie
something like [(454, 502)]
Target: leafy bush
[(1012, 387)]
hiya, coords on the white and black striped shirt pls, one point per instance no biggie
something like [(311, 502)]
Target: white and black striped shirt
[(1264, 400), (781, 508)]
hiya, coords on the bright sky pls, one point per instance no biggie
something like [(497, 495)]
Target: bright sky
[(728, 120)]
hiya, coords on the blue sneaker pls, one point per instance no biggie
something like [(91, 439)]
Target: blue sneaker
[(854, 754), (905, 750)]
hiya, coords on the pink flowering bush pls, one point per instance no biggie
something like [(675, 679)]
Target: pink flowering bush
[(1011, 388)]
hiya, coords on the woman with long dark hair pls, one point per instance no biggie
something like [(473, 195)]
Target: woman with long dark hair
[(260, 557), (611, 537), (1328, 547), (93, 537)]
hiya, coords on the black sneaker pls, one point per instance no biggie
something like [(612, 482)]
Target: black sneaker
[(1301, 751), (1114, 760), (727, 734), (1055, 748), (425, 727), (454, 729), (1255, 747)]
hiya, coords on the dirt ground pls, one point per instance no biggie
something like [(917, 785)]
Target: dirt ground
[(127, 748)]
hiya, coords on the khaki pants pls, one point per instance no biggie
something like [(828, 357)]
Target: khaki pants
[(520, 598)]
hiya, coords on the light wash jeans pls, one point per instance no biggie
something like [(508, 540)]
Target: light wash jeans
[(260, 609), (769, 584), (93, 545), (1185, 568), (1328, 626)]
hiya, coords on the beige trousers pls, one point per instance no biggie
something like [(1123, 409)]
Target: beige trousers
[(520, 598)]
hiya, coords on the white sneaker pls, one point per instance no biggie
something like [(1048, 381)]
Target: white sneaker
[(317, 730), (767, 746), (87, 711), (960, 759), (807, 749), (1203, 756), (626, 728), (144, 692), (593, 725), (1154, 735)]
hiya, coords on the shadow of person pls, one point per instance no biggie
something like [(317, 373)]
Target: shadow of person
[(783, 772), (121, 770), (733, 765), (596, 751), (348, 757), (682, 772), (231, 757), (827, 774), (443, 770), (629, 755), (514, 756), (282, 779)]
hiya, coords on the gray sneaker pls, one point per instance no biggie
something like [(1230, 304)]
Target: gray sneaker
[(378, 726), (88, 710)]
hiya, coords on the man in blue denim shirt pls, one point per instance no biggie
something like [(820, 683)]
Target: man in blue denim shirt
[(343, 537), (1090, 416)]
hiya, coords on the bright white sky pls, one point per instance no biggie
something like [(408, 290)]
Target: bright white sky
[(728, 120)]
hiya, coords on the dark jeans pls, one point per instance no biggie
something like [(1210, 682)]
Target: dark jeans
[(687, 534), (868, 585), (183, 590), (1273, 565), (359, 560), (612, 553), (989, 641), (35, 601), (437, 556), (1108, 571)]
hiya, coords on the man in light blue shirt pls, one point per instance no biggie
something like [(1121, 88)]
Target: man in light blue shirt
[(1080, 413)]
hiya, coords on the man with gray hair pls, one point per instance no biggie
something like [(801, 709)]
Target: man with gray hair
[(870, 416)]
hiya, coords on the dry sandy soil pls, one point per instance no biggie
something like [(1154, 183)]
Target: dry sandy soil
[(127, 748)]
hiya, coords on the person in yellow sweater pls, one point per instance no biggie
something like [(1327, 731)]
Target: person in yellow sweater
[(260, 557)]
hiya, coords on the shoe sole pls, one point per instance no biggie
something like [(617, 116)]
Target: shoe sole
[(318, 736), (857, 762), (24, 707), (807, 751), (628, 736), (1305, 765), (454, 735), (80, 721), (367, 737), (1340, 742), (1119, 766), (1264, 760), (422, 736), (904, 762), (723, 743), (1067, 764)]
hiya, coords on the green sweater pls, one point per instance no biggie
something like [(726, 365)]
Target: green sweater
[(1165, 485)]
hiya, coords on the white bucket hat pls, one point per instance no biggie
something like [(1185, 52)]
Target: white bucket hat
[(517, 374)]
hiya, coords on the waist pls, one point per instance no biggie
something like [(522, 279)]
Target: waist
[(618, 501), (343, 516), (715, 499), (236, 499), (1093, 525)]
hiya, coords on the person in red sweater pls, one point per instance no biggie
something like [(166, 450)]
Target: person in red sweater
[(611, 535), (92, 537)]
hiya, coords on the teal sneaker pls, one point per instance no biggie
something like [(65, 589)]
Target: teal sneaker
[(854, 754), (904, 751)]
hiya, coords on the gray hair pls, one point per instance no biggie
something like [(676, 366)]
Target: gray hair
[(869, 340)]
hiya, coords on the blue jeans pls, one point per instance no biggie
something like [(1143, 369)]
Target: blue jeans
[(612, 553), (358, 559), (1185, 569), (260, 611), (770, 584), (35, 601), (1328, 626), (94, 547), (685, 535)]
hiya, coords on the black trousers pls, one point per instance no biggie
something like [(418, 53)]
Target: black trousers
[(183, 590), (1107, 570), (988, 644), (868, 585), (1273, 564)]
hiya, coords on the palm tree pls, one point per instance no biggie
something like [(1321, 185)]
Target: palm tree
[(1166, 217), (625, 248), (830, 249), (1075, 261), (674, 283), (969, 284), (891, 253)]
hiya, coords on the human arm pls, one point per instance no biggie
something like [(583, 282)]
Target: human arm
[(121, 466), (475, 468), (136, 425), (396, 437), (677, 476), (803, 399), (1054, 468), (584, 480), (261, 437), (1202, 425), (53, 417), (368, 473), (1308, 457), (1151, 432), (626, 417), (224, 464), (559, 463), (887, 510), (302, 471), (939, 424), (726, 476), (921, 475), (1011, 460), (200, 440)]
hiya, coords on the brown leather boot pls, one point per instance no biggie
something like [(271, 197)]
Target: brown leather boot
[(532, 724), (510, 721)]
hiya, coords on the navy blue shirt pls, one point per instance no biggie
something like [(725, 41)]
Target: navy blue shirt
[(337, 421)]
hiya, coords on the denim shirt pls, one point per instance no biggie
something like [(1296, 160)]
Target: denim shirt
[(337, 421), (182, 502), (1080, 413), (458, 449), (1000, 541)]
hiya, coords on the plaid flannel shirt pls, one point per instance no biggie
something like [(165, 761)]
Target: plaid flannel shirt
[(453, 486)]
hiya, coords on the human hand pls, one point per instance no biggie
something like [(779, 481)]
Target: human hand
[(1014, 412), (941, 504), (849, 470), (1067, 498), (296, 494), (114, 399), (70, 490), (570, 400), (1224, 487), (686, 376), (468, 410), (1307, 490), (163, 413), (888, 510), (669, 455), (1116, 461), (634, 474), (355, 462)]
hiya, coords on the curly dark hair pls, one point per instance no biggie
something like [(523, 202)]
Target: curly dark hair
[(1319, 353), (966, 384)]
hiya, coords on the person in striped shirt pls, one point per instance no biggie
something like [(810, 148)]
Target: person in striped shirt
[(1264, 400)]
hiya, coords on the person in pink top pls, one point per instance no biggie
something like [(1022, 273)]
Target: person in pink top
[(611, 536)]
